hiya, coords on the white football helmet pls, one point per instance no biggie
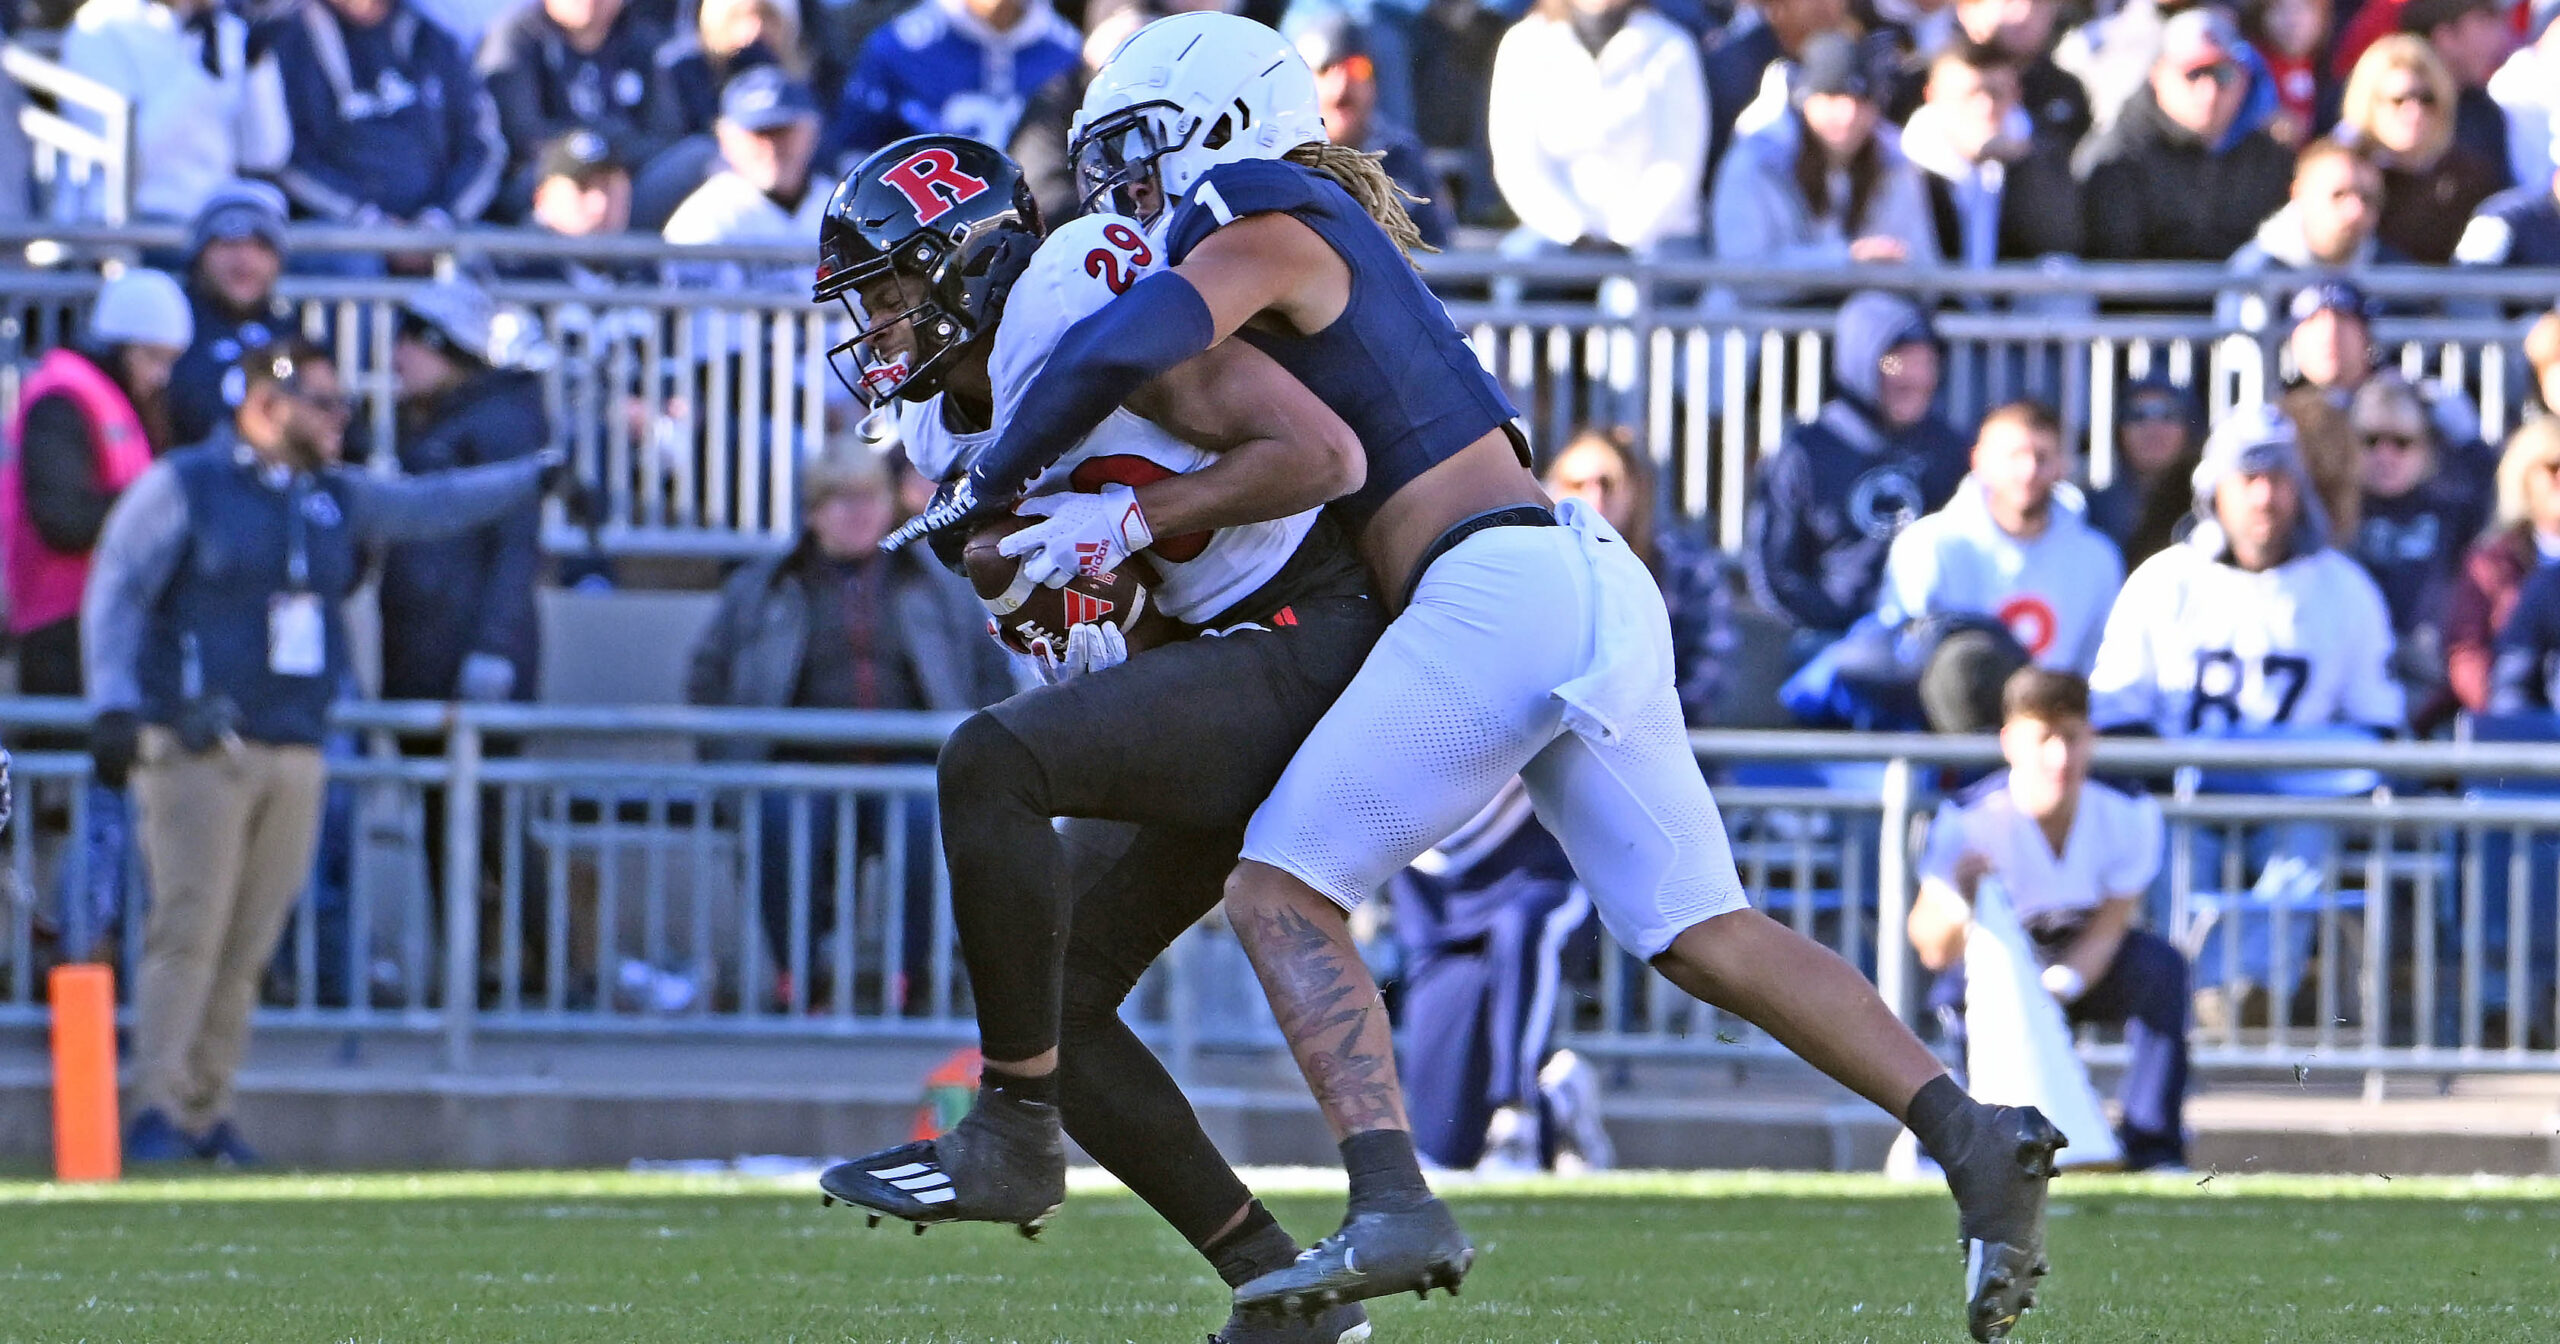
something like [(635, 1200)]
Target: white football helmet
[(1181, 96)]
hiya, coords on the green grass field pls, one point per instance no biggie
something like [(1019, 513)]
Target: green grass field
[(576, 1257)]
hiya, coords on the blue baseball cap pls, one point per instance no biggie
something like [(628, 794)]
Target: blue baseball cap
[(764, 98), (2332, 296)]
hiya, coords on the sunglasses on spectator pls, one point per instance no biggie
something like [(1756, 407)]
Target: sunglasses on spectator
[(2411, 97), (334, 404), (2406, 443), (2220, 72)]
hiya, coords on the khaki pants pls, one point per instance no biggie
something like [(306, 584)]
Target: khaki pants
[(227, 840)]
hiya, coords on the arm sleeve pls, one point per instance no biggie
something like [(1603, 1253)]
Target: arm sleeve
[(1160, 322), (146, 534), (1910, 576), (1946, 844), (264, 132), (2134, 860), (1533, 183), (59, 470), (2123, 690), (420, 508)]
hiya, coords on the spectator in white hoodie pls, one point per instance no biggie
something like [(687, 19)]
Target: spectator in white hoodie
[(203, 112), (1599, 126), (1827, 184), (2012, 544)]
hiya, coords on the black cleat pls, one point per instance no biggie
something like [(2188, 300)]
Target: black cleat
[(1345, 1324), (1374, 1254), (1005, 1162), (1999, 1183)]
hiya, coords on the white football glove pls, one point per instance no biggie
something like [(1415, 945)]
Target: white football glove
[(1091, 647), (2064, 983), (1081, 534)]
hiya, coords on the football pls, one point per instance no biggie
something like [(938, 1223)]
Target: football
[(1027, 613)]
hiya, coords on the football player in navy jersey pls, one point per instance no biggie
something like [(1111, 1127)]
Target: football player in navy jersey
[(934, 244), (1527, 640)]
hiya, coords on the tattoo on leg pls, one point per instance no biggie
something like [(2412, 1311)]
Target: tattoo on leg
[(1313, 995)]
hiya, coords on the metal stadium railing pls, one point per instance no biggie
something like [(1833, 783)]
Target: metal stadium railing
[(692, 404), (2378, 907)]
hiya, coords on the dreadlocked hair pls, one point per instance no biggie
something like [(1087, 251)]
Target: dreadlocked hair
[(1364, 175)]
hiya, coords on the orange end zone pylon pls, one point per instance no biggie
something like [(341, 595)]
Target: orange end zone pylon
[(87, 1142)]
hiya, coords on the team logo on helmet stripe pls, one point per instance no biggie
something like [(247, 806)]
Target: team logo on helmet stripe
[(932, 182)]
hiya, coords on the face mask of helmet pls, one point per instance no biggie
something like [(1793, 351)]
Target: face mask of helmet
[(1116, 161), (902, 340)]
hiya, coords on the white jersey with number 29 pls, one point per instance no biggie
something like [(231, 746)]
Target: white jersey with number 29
[(2197, 647), (1079, 268)]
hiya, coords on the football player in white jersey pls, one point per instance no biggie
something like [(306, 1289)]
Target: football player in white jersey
[(1528, 641), (934, 245)]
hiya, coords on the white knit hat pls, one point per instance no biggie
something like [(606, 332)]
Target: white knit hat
[(140, 307)]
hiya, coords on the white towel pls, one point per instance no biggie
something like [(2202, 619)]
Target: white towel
[(1628, 660)]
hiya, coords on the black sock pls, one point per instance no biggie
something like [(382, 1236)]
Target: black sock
[(1384, 1172), (1021, 1087), (1252, 1248), (1941, 1116)]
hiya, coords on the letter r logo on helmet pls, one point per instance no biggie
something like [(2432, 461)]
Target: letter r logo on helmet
[(932, 182)]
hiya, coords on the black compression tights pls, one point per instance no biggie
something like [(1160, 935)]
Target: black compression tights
[(1008, 886)]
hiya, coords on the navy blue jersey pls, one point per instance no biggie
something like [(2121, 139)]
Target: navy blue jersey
[(1393, 366)]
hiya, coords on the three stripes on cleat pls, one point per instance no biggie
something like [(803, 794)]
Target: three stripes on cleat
[(922, 1183)]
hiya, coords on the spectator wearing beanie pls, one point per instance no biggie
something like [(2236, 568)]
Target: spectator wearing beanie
[(2332, 348), (203, 111), (390, 123), (1739, 56), (2399, 111), (1826, 184), (2473, 38), (951, 67), (1599, 126), (83, 433), (235, 252), (2519, 226), (2525, 539), (457, 612), (556, 66), (2175, 179), (1829, 502)]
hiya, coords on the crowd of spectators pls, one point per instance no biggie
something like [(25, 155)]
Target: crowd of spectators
[(1815, 134)]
